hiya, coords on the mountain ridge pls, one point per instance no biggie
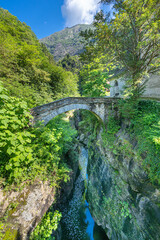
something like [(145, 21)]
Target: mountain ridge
[(66, 41)]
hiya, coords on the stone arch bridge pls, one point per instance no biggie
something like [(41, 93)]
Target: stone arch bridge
[(101, 107)]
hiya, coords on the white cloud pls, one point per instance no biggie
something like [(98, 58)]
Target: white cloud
[(79, 11)]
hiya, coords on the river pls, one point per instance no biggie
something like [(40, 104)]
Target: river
[(77, 222)]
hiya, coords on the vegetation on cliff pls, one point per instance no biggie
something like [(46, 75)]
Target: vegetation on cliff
[(27, 68), (123, 168)]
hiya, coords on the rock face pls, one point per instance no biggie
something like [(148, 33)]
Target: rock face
[(24, 209), (121, 198), (66, 41)]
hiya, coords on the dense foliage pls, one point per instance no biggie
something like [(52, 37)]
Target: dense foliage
[(16, 153), (27, 153), (71, 63), (27, 68), (129, 41), (94, 79), (145, 128), (48, 224)]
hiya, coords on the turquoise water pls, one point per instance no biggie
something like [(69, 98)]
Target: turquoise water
[(77, 222), (93, 230)]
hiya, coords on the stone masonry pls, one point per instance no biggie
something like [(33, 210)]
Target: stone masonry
[(101, 107)]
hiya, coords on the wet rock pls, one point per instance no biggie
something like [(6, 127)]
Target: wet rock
[(121, 198)]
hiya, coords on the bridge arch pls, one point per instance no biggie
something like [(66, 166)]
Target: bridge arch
[(98, 106), (67, 108)]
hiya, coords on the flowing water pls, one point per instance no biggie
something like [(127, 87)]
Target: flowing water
[(77, 222)]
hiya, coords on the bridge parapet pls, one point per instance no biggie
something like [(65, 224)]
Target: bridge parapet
[(99, 106)]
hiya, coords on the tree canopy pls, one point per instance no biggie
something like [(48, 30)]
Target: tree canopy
[(128, 39), (71, 63)]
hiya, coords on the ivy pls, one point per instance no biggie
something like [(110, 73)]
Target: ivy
[(119, 207), (109, 132)]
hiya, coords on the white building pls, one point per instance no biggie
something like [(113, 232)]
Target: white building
[(152, 89)]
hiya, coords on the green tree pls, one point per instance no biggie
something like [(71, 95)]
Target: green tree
[(71, 63), (129, 40), (94, 80)]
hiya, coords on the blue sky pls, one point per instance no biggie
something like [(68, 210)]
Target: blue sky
[(48, 16), (43, 16)]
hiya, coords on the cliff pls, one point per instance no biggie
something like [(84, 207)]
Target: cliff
[(121, 197), (22, 209)]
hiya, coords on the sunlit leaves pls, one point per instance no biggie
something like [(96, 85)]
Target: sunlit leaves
[(27, 153), (48, 224), (27, 68), (130, 39), (94, 79)]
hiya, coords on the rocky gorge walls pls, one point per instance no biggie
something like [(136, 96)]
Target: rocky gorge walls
[(122, 200), (21, 210), (120, 196)]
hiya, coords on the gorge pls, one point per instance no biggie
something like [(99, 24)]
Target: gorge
[(76, 163), (122, 199)]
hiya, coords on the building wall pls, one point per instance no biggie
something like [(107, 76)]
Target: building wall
[(152, 89)]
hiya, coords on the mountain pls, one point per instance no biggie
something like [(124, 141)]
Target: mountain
[(66, 41)]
